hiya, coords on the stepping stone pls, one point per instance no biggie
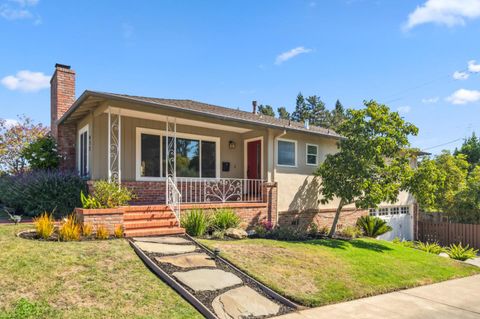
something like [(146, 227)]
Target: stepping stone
[(207, 279), (188, 260), (243, 302), (165, 248), (163, 240)]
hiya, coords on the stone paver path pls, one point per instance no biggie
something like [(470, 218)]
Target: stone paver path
[(243, 302), (192, 260), (166, 249), (163, 240), (236, 303), (207, 279)]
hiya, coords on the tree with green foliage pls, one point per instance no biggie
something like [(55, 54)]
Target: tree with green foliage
[(283, 113), (266, 110), (42, 153), (337, 115), (14, 138), (302, 111), (471, 148), (318, 114), (372, 165), (467, 201)]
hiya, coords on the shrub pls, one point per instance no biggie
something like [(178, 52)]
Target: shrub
[(89, 202), (432, 248), (44, 225), (118, 232), (218, 234), (408, 244), (349, 232), (42, 153), (373, 226), (87, 229), (70, 229), (38, 191), (110, 194), (224, 219), (195, 222), (459, 252), (287, 233), (313, 229), (102, 232)]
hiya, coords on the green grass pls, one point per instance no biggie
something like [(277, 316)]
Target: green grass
[(320, 272), (97, 279)]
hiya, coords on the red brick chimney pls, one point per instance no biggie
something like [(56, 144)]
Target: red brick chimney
[(62, 96)]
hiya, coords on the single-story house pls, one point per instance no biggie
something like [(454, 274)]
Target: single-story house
[(183, 154)]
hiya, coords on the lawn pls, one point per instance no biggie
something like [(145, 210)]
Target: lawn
[(320, 272), (97, 279)]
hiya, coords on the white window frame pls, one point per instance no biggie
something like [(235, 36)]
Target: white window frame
[(84, 129), (161, 134), (306, 154), (296, 152)]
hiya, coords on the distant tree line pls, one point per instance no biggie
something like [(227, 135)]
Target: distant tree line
[(311, 109)]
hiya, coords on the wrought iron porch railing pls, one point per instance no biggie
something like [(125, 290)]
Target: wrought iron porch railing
[(207, 190), (174, 198)]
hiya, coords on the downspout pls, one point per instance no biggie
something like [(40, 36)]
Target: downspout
[(274, 173)]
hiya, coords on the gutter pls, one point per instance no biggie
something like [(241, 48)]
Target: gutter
[(274, 173)]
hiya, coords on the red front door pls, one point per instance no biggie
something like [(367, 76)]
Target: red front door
[(254, 159)]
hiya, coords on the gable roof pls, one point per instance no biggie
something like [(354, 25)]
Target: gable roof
[(201, 108)]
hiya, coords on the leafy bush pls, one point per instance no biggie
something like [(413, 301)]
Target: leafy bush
[(69, 229), (87, 229), (373, 226), (118, 232), (102, 232), (44, 225), (224, 219), (432, 248), (313, 230), (461, 253), (35, 192), (89, 202), (110, 195), (287, 233), (218, 234), (195, 222), (349, 232), (42, 153)]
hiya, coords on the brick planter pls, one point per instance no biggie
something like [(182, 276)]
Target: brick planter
[(108, 217)]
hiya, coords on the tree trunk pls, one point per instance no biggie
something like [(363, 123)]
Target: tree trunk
[(335, 220)]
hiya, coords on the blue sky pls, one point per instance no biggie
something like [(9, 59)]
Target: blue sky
[(403, 53)]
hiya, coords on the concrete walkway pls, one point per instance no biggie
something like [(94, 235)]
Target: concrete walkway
[(459, 298)]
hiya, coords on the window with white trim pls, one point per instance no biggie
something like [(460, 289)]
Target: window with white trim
[(83, 151), (312, 154), (196, 156), (286, 152)]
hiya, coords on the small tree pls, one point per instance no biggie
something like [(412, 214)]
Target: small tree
[(14, 139), (283, 113), (42, 153), (266, 110), (337, 116), (302, 111), (372, 165)]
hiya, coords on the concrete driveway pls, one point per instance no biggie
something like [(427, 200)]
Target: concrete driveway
[(459, 298)]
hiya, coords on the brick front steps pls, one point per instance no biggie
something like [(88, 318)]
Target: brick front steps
[(150, 220)]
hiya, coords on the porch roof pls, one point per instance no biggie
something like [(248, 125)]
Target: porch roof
[(90, 99)]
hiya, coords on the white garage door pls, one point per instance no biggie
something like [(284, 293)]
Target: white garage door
[(399, 217)]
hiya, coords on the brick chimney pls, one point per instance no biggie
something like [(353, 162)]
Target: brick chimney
[(62, 96), (254, 107)]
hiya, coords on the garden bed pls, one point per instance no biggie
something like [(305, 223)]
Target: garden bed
[(32, 235)]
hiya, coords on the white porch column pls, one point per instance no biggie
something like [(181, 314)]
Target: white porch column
[(114, 150)]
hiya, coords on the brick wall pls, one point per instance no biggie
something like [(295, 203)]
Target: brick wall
[(109, 217), (321, 217), (62, 96)]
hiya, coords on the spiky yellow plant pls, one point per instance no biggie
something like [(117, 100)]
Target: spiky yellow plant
[(69, 229), (102, 232), (118, 231), (87, 229), (44, 225)]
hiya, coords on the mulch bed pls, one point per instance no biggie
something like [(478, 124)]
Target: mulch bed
[(207, 297), (32, 235)]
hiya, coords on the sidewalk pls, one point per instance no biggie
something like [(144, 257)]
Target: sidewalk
[(459, 298)]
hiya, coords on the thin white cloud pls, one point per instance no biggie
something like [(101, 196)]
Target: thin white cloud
[(26, 81), (473, 66), (430, 100), (404, 109), (444, 12), (464, 96), (458, 75), (18, 10), (285, 56)]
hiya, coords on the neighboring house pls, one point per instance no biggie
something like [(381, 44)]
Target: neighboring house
[(212, 156)]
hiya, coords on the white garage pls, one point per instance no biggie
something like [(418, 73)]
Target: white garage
[(399, 217)]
